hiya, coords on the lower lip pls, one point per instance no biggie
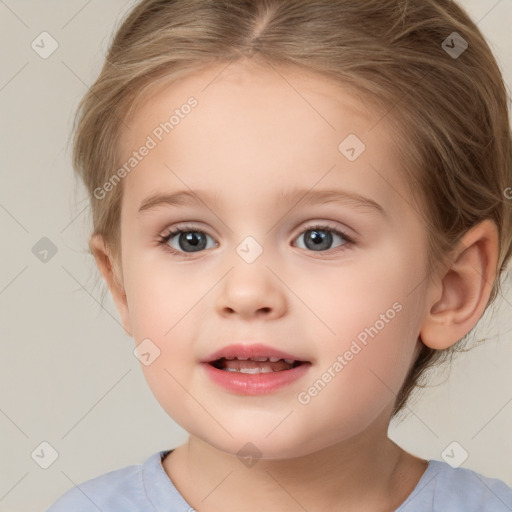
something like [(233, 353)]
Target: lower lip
[(254, 383)]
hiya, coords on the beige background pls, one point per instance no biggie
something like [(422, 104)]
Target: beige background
[(68, 374)]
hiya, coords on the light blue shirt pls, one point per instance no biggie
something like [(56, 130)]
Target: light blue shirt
[(147, 488)]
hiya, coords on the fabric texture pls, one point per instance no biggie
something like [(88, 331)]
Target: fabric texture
[(147, 488)]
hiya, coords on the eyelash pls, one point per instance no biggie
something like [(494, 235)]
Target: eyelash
[(164, 238)]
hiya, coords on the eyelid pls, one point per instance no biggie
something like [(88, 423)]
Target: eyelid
[(185, 226), (350, 234)]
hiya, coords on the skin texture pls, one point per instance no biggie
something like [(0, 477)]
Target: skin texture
[(251, 137)]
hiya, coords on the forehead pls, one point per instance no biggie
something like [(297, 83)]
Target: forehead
[(257, 129)]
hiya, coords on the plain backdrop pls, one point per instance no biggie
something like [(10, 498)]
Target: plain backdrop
[(71, 387)]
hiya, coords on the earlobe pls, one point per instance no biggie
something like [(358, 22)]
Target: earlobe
[(461, 293), (110, 273)]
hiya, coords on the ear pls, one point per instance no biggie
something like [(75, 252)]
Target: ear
[(458, 295), (110, 272)]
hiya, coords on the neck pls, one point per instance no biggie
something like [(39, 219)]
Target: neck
[(367, 472)]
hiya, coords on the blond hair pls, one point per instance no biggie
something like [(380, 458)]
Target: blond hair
[(449, 112)]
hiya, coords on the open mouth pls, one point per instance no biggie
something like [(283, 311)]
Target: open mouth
[(255, 365)]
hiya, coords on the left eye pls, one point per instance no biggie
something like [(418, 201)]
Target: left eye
[(190, 240), (319, 238)]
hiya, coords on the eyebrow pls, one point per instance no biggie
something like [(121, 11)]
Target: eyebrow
[(296, 196)]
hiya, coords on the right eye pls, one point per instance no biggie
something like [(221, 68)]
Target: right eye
[(185, 240)]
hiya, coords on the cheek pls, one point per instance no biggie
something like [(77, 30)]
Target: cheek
[(165, 302), (161, 296), (163, 306), (374, 317), (356, 382)]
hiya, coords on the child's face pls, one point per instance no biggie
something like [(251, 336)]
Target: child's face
[(252, 137)]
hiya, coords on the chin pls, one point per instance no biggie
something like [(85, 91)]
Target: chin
[(252, 445)]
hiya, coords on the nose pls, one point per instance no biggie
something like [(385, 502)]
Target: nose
[(252, 291)]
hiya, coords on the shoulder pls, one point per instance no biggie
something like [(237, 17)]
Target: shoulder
[(460, 489), (115, 491), (471, 489)]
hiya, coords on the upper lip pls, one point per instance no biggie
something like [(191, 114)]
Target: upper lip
[(249, 351)]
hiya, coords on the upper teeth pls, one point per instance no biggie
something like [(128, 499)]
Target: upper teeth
[(260, 359)]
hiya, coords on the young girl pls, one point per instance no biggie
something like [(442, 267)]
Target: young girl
[(299, 207)]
